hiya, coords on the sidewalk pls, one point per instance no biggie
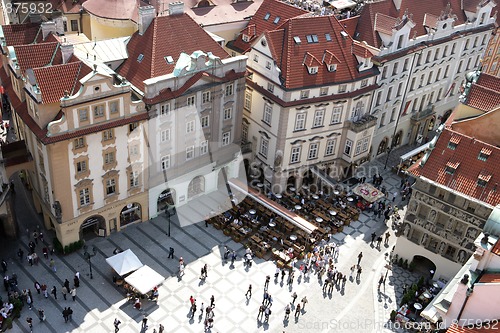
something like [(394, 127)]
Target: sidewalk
[(99, 302)]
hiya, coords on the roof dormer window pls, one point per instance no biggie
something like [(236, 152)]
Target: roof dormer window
[(245, 38), (484, 154), (332, 67), (453, 143), (312, 70), (483, 179), (451, 167)]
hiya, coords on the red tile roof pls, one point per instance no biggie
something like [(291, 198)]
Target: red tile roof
[(483, 98), (468, 166), (496, 248), (489, 81), (68, 6), (46, 54), (21, 34), (385, 23), (270, 9), (166, 36), (490, 278), (53, 81), (417, 10), (290, 55)]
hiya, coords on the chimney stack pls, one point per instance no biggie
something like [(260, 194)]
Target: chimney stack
[(176, 8), (48, 28), (146, 16), (67, 52)]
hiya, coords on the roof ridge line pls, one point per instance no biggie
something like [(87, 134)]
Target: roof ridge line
[(53, 54), (76, 77)]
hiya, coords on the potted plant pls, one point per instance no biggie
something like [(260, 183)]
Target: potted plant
[(227, 231), (411, 266), (393, 315), (405, 264)]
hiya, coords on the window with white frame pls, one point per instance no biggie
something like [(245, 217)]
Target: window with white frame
[(256, 57), (264, 146), (99, 110), (378, 99), (393, 114), (395, 68), (361, 146), (226, 138), (300, 121), (304, 94), (83, 114), (109, 158), (114, 107), (79, 143), (319, 116), (229, 90), (81, 166), (336, 114), (405, 65), (312, 70), (134, 179), (267, 115), (295, 155), (270, 87), (205, 97), (313, 151), (84, 194), (189, 153), (364, 83), (332, 67), (342, 88), (204, 147), (205, 122), (248, 100), (107, 135), (358, 111), (400, 89), (268, 64), (110, 186), (323, 91), (165, 162), (164, 109), (190, 100), (330, 147), (190, 126), (228, 113), (165, 135), (348, 147), (244, 132)]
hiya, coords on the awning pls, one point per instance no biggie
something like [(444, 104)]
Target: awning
[(431, 314), (124, 262), (342, 4), (368, 192), (415, 151), (144, 279)]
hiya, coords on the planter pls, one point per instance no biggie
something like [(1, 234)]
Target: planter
[(227, 232)]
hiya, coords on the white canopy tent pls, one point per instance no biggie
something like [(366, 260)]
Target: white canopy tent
[(342, 4), (124, 262), (144, 279)]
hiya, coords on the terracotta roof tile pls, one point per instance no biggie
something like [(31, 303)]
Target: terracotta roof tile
[(464, 158), (160, 41), (490, 278), (496, 248), (489, 81), (385, 23), (46, 54), (53, 81), (21, 34), (264, 19), (482, 98), (367, 30), (68, 6), (289, 55)]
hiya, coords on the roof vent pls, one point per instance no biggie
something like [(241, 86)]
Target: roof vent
[(344, 34)]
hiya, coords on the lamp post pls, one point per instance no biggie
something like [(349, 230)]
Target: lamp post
[(87, 256), (389, 149)]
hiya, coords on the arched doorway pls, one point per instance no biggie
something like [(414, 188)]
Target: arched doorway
[(309, 181), (165, 199), (196, 186), (90, 227), (291, 181), (424, 266), (382, 147), (397, 139), (130, 213)]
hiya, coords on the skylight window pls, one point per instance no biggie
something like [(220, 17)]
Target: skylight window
[(276, 20), (169, 60), (328, 37), (297, 40), (266, 17), (312, 38), (140, 57)]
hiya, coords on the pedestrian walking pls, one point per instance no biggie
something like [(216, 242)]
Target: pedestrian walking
[(297, 311), (374, 235), (29, 301), (304, 301), (212, 301), (64, 292), (38, 287), (287, 311), (262, 308), (171, 253), (294, 297), (4, 266), (266, 284), (381, 280), (358, 273), (52, 264), (65, 315), (117, 323), (233, 258), (41, 314), (35, 237), (20, 254), (360, 256), (145, 322), (29, 320), (53, 291), (249, 292), (193, 310), (45, 290), (266, 296), (45, 252), (76, 281), (66, 284), (379, 241), (386, 240), (161, 328), (73, 294), (267, 313)]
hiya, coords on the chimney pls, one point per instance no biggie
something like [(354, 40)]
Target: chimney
[(176, 8), (67, 52), (146, 16), (48, 28), (35, 17)]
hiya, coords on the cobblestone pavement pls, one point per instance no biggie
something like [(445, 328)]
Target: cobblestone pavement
[(359, 308)]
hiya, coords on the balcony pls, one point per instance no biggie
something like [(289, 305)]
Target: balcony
[(362, 123), (425, 113), (246, 147)]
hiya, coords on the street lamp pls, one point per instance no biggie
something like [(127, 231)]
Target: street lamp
[(389, 149), (88, 256)]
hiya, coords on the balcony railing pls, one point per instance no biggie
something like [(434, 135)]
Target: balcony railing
[(363, 123)]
